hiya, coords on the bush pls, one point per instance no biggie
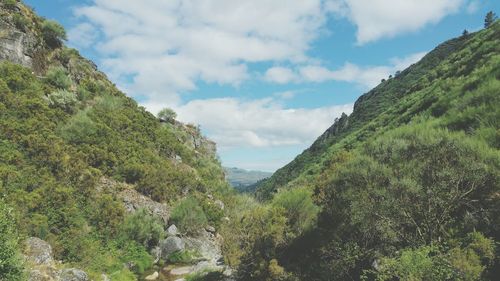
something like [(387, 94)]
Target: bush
[(189, 216), (143, 228), (63, 99), (79, 129), (299, 207), (167, 114), (183, 257), (58, 77), (11, 264), (53, 33), (10, 4)]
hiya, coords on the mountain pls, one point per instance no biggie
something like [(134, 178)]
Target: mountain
[(407, 185), (87, 176), (244, 180), (398, 101)]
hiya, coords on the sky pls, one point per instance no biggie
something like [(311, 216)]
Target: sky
[(262, 78)]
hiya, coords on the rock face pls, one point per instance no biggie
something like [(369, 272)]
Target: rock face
[(72, 274), (133, 200), (38, 251), (207, 245), (171, 245), (16, 46)]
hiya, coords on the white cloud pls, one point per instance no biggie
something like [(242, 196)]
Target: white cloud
[(377, 19), (280, 75), (166, 46), (233, 122), (366, 76), (82, 35)]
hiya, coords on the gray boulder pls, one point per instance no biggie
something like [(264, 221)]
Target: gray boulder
[(38, 251), (73, 274), (171, 245), (172, 230)]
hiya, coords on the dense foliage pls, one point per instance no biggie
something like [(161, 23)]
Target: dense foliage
[(407, 185), (64, 130)]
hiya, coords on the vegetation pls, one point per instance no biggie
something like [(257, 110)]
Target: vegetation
[(53, 33), (188, 215), (167, 114), (405, 188)]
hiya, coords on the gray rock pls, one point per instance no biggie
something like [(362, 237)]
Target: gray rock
[(219, 204), (172, 230), (171, 245), (153, 276), (210, 229), (16, 46), (206, 244), (134, 201), (156, 253), (38, 251), (73, 274)]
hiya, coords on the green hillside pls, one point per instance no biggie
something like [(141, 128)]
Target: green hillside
[(66, 131), (408, 184), (435, 88)]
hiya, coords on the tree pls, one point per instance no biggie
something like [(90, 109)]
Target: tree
[(53, 33), (189, 216), (167, 114), (465, 33), (489, 19)]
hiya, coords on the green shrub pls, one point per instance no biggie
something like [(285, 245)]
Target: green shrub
[(63, 99), (183, 257), (58, 77), (21, 22), (53, 33), (167, 114), (189, 216), (11, 263), (10, 4), (79, 129), (142, 228), (299, 207)]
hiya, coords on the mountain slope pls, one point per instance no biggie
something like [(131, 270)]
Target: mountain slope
[(395, 102), (83, 166)]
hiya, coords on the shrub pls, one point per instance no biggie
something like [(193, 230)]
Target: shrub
[(58, 77), (143, 228), (167, 114), (53, 33), (20, 22), (183, 257), (63, 99), (299, 207), (10, 4), (11, 265), (79, 129), (189, 216)]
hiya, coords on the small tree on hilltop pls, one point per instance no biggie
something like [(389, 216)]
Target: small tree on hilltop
[(167, 114), (489, 19)]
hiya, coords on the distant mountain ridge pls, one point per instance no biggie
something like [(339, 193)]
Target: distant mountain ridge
[(244, 180)]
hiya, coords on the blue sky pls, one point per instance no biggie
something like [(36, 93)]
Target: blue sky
[(262, 78)]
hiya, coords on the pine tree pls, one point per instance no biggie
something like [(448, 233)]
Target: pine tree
[(489, 19)]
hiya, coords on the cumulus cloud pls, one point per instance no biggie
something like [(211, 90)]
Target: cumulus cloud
[(377, 19), (258, 123), (366, 76), (160, 48)]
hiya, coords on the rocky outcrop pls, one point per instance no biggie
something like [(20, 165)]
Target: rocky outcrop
[(207, 245), (38, 251), (16, 46), (133, 200), (42, 266), (72, 274), (171, 245)]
